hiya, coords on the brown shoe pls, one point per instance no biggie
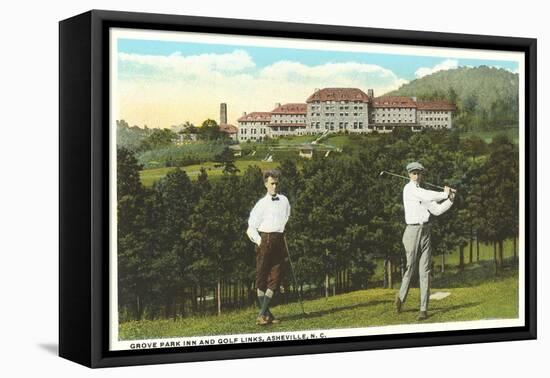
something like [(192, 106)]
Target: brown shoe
[(398, 304), (423, 315), (272, 320), (262, 320)]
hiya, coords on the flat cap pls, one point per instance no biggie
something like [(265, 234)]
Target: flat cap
[(415, 166)]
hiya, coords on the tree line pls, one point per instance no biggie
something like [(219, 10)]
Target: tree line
[(139, 139), (183, 251)]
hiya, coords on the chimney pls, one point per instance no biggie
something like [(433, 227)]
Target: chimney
[(244, 113), (277, 104), (223, 113), (370, 93), (414, 98)]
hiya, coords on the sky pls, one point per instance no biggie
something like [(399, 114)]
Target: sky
[(163, 83)]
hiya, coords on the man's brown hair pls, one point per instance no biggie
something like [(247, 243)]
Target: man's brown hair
[(275, 173)]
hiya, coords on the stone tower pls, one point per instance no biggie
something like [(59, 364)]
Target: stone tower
[(370, 93), (223, 113)]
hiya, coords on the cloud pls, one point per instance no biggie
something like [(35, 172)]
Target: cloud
[(334, 74), (445, 65), (176, 63), (164, 90)]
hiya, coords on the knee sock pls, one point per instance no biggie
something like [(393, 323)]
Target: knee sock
[(264, 310), (261, 295)]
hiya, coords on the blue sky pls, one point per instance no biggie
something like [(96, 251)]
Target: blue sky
[(404, 66)]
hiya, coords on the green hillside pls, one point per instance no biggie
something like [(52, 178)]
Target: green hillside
[(486, 98)]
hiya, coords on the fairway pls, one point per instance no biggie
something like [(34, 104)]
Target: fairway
[(150, 176), (492, 297)]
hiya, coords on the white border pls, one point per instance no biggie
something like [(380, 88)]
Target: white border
[(117, 33)]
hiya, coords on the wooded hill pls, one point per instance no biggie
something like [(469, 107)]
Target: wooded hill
[(486, 98)]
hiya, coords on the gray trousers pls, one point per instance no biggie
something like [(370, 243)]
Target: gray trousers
[(417, 242)]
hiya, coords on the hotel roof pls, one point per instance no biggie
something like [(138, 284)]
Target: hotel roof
[(292, 108), (393, 102), (338, 94), (256, 116)]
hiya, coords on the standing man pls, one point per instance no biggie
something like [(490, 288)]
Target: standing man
[(266, 226), (419, 204)]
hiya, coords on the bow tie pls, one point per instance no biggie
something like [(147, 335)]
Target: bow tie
[(274, 198)]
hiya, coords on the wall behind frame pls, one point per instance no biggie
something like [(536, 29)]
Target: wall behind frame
[(29, 149)]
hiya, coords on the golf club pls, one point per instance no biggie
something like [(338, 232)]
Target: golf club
[(407, 178), (294, 277)]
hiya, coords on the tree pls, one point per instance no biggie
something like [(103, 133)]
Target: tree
[(175, 198), (226, 159), (217, 231), (202, 185), (291, 181), (210, 130), (133, 251), (128, 168), (473, 147), (500, 192), (158, 138), (330, 202)]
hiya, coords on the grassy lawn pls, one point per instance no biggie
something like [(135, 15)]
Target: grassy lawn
[(494, 297), (299, 139), (149, 176), (337, 140)]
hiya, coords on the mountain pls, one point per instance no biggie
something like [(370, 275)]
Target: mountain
[(486, 97)]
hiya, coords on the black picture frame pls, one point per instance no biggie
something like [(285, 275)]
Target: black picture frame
[(84, 186)]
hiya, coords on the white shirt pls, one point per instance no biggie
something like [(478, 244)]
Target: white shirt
[(420, 203), (268, 216)]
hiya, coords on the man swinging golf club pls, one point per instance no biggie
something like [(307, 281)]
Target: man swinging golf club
[(266, 226), (419, 204)]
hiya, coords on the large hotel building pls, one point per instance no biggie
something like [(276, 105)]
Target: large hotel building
[(333, 110)]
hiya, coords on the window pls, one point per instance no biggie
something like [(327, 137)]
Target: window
[(360, 125)]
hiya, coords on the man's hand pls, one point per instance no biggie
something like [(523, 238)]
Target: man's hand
[(447, 190), (452, 195), (259, 241)]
